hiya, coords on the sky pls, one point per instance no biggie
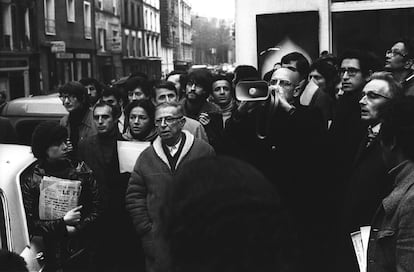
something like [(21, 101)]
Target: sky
[(213, 8)]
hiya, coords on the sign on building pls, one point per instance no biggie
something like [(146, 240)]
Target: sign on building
[(116, 45), (58, 47)]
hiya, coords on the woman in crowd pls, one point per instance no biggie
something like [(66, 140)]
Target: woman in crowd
[(139, 121), (67, 236)]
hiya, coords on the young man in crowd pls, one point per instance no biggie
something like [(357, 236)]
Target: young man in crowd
[(79, 121), (196, 106), (153, 174), (113, 96), (100, 153)]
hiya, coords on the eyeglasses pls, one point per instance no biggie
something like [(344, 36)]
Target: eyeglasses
[(350, 71), (281, 83), (63, 97), (394, 53), (371, 95), (169, 120)]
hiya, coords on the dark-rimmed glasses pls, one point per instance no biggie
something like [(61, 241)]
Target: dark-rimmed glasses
[(169, 120)]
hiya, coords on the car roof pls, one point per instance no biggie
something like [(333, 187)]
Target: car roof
[(39, 105)]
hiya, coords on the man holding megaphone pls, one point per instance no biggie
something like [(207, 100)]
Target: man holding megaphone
[(286, 142)]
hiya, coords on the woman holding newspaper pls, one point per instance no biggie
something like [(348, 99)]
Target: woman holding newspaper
[(61, 201)]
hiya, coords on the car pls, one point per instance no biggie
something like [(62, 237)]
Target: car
[(15, 161), (27, 112)]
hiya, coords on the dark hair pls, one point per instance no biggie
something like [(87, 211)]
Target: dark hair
[(201, 77), (146, 105), (91, 81), (398, 125), (138, 82), (109, 91), (12, 262), (115, 110), (46, 134), (327, 70), (77, 90), (363, 59), (409, 47), (223, 215), (163, 84), (302, 64), (244, 73)]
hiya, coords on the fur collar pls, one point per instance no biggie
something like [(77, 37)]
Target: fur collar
[(189, 140)]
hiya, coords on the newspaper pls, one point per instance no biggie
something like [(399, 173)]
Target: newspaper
[(57, 197), (360, 242), (128, 153)]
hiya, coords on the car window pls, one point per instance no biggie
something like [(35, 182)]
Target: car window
[(3, 222)]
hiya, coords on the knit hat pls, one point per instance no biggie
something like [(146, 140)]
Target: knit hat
[(47, 134)]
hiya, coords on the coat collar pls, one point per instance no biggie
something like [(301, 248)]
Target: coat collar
[(404, 179), (189, 140)]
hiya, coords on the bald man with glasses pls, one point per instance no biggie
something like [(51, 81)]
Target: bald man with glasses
[(286, 142), (153, 174)]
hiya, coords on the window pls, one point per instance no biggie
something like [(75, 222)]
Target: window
[(101, 39), (27, 25), (127, 45), (87, 20), (50, 26), (70, 10), (126, 3), (134, 47), (115, 7), (100, 4), (6, 39)]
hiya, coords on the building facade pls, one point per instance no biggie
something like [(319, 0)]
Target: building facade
[(18, 49), (141, 41), (65, 33), (169, 33), (183, 53), (108, 41), (334, 26)]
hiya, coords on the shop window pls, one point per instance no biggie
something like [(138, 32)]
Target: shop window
[(70, 10)]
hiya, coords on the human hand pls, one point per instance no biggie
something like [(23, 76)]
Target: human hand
[(204, 118), (71, 230), (280, 98), (73, 216), (247, 106)]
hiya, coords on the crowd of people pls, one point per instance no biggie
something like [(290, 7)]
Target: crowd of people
[(230, 185)]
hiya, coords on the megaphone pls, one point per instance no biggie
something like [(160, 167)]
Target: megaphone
[(252, 91)]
